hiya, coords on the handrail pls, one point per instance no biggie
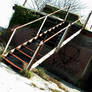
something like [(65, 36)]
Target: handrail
[(62, 43), (67, 12), (37, 19), (8, 43), (53, 50), (34, 55), (41, 25), (62, 39), (61, 30)]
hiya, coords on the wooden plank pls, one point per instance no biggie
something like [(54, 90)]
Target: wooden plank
[(24, 53), (18, 58), (12, 64), (31, 49), (52, 51)]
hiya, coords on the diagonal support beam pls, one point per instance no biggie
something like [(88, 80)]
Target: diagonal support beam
[(41, 26), (87, 20), (61, 40), (67, 13), (63, 43), (34, 55), (9, 41), (53, 51)]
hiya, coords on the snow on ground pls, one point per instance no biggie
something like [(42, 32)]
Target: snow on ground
[(13, 82)]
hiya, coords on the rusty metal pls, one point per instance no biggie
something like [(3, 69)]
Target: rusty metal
[(12, 64), (52, 51), (35, 55), (18, 58), (64, 43), (60, 45), (31, 50), (24, 26), (24, 53), (61, 30)]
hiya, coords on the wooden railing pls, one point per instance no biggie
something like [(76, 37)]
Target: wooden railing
[(62, 42), (15, 29)]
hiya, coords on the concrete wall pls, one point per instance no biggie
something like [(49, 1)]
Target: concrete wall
[(73, 60)]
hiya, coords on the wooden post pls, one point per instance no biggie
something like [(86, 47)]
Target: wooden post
[(67, 13), (9, 42), (24, 26), (61, 40), (61, 30), (34, 55), (24, 2), (87, 20), (63, 37), (42, 25)]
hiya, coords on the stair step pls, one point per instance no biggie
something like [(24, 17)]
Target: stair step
[(51, 44), (15, 61), (22, 56), (10, 62), (45, 49), (32, 50), (24, 53), (28, 52), (18, 58), (63, 25), (32, 46)]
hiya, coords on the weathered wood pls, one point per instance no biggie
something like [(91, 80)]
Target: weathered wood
[(42, 25), (61, 40), (52, 51), (34, 55), (24, 26)]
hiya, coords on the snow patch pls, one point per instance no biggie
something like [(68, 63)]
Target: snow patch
[(13, 82)]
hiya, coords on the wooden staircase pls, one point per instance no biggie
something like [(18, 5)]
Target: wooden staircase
[(43, 45), (22, 54)]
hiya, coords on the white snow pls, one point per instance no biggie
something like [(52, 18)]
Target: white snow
[(13, 82)]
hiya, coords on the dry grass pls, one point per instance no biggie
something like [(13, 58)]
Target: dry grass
[(42, 89), (34, 85), (58, 84), (55, 90), (43, 74), (26, 73)]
